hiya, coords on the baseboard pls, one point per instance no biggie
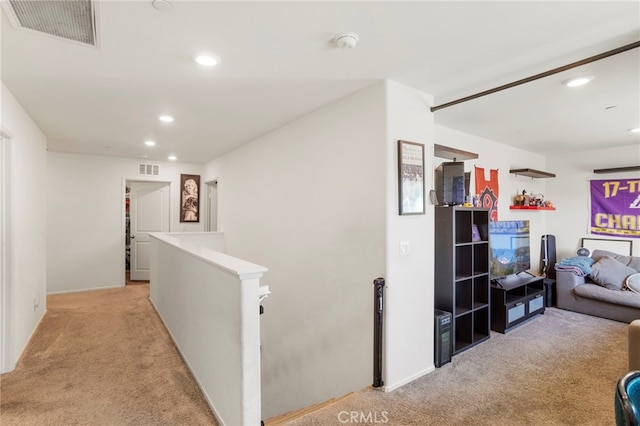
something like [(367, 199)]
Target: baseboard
[(283, 419), (389, 388), (193, 374), (82, 290), (24, 348)]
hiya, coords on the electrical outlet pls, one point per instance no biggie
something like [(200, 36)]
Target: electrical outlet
[(405, 248), (36, 304)]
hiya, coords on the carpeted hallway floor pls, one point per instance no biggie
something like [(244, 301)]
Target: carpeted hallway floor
[(105, 358), (102, 358)]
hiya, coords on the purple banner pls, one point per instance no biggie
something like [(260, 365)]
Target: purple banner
[(615, 207)]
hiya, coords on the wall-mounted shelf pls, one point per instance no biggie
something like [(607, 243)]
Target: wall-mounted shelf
[(532, 173), (617, 169), (454, 154), (530, 208)]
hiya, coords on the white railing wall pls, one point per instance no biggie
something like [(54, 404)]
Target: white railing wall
[(209, 302)]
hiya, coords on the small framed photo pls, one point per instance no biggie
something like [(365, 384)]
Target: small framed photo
[(475, 233), (411, 178), (190, 198)]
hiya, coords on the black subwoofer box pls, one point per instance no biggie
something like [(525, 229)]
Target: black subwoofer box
[(443, 338)]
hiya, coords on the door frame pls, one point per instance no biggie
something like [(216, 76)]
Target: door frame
[(207, 224), (123, 213), (6, 249)]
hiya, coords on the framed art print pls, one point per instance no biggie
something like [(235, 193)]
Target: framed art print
[(190, 198), (410, 178)]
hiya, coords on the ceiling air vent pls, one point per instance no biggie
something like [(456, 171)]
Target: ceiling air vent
[(148, 169), (68, 19)]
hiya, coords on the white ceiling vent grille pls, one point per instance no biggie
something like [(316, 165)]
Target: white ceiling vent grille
[(148, 169), (69, 19)]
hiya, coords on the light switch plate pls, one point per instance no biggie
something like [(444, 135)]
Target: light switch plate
[(405, 248)]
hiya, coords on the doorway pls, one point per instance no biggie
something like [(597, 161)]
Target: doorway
[(212, 206), (147, 209)]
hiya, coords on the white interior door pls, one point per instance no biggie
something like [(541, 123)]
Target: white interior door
[(149, 212), (212, 206)]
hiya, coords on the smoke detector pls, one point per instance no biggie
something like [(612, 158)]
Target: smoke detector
[(162, 5), (347, 40)]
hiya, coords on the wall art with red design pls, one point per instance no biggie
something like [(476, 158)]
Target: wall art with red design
[(487, 191)]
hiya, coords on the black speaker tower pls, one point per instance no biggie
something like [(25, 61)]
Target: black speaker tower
[(548, 256)]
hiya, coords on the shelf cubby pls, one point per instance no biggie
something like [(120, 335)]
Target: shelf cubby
[(464, 261), (464, 296), (463, 332), (463, 228), (481, 323), (481, 258), (481, 291)]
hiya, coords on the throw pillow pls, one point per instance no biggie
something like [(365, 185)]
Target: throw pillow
[(631, 261), (610, 273), (633, 283)]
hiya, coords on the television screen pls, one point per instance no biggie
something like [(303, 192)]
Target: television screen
[(510, 247)]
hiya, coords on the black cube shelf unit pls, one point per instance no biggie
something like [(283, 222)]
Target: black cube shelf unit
[(462, 284)]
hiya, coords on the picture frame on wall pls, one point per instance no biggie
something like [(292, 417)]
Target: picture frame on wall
[(190, 198), (411, 178)]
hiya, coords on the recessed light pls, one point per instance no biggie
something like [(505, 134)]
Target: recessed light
[(166, 118), (206, 60), (635, 130), (149, 143), (577, 82), (172, 157)]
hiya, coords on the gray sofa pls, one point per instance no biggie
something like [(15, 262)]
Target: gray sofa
[(581, 294)]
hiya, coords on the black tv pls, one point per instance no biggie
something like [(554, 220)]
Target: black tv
[(510, 248)]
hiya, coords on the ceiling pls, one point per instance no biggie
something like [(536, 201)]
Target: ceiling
[(279, 62)]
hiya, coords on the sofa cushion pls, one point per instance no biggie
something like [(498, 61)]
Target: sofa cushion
[(616, 297), (610, 273), (631, 261)]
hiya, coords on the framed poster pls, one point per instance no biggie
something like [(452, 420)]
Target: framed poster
[(623, 247), (411, 178), (190, 198)]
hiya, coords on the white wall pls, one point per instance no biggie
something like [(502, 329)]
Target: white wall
[(308, 202), (408, 319), (85, 218), (286, 201), (492, 155), (28, 165), (209, 302), (571, 191), (409, 346)]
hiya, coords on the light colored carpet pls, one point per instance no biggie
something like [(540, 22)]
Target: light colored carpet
[(559, 368), (105, 358), (102, 358)]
